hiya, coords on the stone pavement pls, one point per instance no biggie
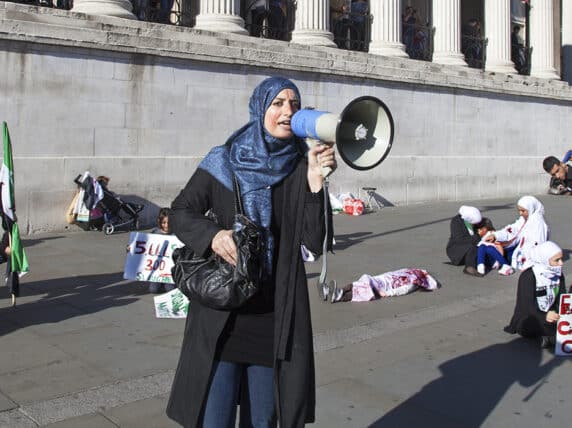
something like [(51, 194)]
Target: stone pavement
[(84, 349)]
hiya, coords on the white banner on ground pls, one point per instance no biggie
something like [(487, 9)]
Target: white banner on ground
[(149, 257), (173, 304), (564, 327)]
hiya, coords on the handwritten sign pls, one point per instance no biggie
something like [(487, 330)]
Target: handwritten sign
[(149, 257), (173, 304), (564, 326)]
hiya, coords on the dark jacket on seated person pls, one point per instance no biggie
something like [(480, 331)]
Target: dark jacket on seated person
[(462, 246), (528, 320)]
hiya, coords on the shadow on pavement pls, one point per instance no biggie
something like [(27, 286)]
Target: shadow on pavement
[(486, 208), (65, 298), (471, 386), (31, 242), (346, 241)]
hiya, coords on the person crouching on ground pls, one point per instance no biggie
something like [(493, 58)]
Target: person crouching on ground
[(462, 245), (525, 233), (538, 295), (560, 173), (263, 351), (490, 255)]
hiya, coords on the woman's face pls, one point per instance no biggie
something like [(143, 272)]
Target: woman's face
[(523, 212), (277, 117), (556, 259)]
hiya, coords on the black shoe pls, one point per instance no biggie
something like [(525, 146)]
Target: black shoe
[(547, 342), (469, 270), (509, 329)]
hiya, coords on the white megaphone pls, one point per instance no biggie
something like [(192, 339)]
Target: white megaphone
[(363, 131)]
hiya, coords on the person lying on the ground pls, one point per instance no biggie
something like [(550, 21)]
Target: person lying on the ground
[(462, 245), (395, 283), (538, 295), (528, 231), (560, 173), (490, 255)]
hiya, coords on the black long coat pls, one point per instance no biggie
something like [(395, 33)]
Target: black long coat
[(303, 222), (527, 320), (462, 246)]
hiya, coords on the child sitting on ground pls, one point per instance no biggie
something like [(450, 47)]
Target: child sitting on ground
[(490, 255), (162, 228)]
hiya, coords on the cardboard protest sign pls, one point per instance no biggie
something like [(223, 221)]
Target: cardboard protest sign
[(173, 304), (149, 257), (564, 326)]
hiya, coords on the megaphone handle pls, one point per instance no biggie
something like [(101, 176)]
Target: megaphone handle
[(311, 142)]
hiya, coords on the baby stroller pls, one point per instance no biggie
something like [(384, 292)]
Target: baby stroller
[(116, 213)]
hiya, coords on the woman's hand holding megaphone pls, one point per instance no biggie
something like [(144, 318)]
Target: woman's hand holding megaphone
[(320, 156)]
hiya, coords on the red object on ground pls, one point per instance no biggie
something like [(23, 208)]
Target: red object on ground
[(353, 206)]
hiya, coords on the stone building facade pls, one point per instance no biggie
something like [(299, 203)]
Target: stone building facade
[(143, 102)]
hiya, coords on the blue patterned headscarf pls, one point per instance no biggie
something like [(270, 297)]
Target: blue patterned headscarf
[(258, 160)]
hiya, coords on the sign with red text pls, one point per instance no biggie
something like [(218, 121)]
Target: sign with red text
[(564, 327), (149, 257)]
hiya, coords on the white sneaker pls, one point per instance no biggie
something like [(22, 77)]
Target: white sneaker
[(481, 269), (506, 270), (496, 265)]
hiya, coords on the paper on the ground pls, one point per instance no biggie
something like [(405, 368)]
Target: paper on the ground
[(173, 304)]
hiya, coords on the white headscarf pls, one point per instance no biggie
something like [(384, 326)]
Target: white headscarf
[(470, 214), (547, 276), (533, 232), (532, 205)]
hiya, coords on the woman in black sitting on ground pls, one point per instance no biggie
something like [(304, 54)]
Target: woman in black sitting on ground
[(538, 295), (462, 245)]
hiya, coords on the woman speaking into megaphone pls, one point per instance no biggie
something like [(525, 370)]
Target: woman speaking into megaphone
[(266, 344)]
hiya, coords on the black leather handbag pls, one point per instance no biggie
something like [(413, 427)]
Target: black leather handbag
[(215, 283)]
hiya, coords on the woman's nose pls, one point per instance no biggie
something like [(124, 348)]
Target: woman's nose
[(287, 110)]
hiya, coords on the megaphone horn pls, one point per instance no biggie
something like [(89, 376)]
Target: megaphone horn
[(363, 131)]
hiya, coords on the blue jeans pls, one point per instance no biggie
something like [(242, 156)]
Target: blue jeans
[(488, 255), (257, 409)]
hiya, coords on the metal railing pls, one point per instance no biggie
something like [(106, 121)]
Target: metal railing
[(160, 11), (56, 4), (353, 31), (271, 22), (418, 41), (520, 56), (475, 51)]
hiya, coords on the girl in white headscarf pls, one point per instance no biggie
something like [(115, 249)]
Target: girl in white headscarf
[(538, 294), (526, 232), (462, 245)]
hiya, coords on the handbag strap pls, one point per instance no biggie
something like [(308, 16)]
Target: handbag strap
[(237, 200)]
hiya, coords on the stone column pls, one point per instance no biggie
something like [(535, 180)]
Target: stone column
[(447, 39), (117, 8), (386, 28), (542, 39), (312, 23), (498, 31), (567, 41), (221, 16)]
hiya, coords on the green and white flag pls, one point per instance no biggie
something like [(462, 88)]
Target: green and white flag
[(19, 262)]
